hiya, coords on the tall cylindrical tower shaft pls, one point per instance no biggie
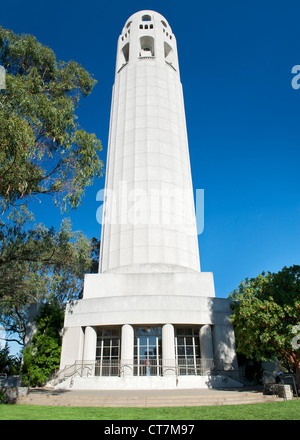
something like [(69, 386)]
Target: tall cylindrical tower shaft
[(149, 215)]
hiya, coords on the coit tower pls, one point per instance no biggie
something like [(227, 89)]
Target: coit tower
[(149, 215), (149, 318)]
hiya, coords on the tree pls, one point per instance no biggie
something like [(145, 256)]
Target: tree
[(39, 265), (13, 362), (266, 316), (95, 255), (42, 356), (43, 150)]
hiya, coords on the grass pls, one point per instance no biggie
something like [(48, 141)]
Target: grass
[(288, 410)]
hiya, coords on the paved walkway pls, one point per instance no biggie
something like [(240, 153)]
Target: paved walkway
[(145, 398)]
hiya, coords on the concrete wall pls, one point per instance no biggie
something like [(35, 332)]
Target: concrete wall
[(149, 257), (156, 309), (149, 310), (144, 284), (72, 346), (149, 214)]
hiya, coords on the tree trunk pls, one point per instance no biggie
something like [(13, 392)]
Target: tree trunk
[(298, 378)]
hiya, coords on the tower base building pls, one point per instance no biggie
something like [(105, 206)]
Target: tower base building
[(149, 318), (175, 335)]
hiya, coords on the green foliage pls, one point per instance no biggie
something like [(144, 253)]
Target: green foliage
[(13, 362), (266, 310), (38, 264), (252, 367), (42, 356), (43, 150)]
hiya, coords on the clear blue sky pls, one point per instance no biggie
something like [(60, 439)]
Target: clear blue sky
[(243, 116)]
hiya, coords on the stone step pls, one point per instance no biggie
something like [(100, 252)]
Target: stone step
[(129, 400)]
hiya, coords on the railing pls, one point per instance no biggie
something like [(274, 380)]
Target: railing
[(15, 381), (170, 64), (146, 368), (146, 57), (3, 377), (286, 381), (123, 65), (79, 368), (271, 384)]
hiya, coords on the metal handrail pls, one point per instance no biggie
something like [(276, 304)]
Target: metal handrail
[(123, 65), (283, 377), (138, 369), (62, 375), (294, 383), (81, 368), (170, 64)]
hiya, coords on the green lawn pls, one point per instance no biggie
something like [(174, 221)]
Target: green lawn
[(289, 410)]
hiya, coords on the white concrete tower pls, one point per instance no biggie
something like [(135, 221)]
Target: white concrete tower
[(149, 318), (149, 223)]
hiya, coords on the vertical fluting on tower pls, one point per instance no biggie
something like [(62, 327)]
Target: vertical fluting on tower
[(149, 215)]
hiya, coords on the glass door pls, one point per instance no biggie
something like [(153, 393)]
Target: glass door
[(107, 352), (187, 350), (147, 351)]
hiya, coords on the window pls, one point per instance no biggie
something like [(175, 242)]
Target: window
[(187, 348), (163, 23), (168, 50), (147, 351), (146, 18), (169, 54), (125, 52), (146, 46), (108, 352)]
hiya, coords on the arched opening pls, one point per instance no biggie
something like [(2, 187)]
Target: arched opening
[(125, 52), (146, 46), (168, 52), (170, 57), (146, 18)]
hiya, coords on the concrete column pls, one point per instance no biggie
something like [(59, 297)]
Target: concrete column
[(127, 347), (89, 350), (206, 347), (224, 346), (168, 350), (72, 346)]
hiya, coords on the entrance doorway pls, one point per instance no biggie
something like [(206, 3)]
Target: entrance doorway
[(187, 348), (108, 352), (147, 351)]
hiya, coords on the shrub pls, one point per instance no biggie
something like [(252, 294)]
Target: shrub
[(42, 356)]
